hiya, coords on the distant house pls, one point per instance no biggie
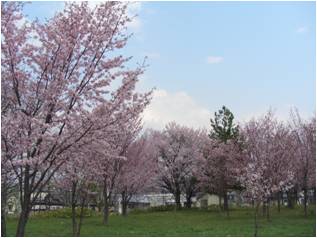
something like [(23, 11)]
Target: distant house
[(203, 200), (45, 201), (143, 201), (48, 201)]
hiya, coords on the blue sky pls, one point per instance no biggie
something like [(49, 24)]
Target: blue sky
[(249, 56)]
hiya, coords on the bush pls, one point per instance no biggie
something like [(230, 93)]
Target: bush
[(138, 211), (162, 208), (192, 208), (63, 213), (214, 208)]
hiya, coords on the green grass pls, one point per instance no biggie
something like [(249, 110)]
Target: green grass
[(290, 222)]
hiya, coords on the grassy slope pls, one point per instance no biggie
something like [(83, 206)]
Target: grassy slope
[(181, 223)]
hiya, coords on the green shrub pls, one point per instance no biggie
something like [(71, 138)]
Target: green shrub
[(169, 208), (138, 211), (192, 208), (162, 208), (214, 208), (63, 213)]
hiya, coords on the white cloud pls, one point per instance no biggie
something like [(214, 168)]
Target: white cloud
[(179, 107), (183, 109), (214, 59), (302, 29)]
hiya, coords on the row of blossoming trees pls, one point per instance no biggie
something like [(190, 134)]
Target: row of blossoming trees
[(262, 159), (71, 118)]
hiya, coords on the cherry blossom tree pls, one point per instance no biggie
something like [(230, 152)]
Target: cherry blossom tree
[(110, 164), (139, 170), (304, 138), (179, 152), (76, 177), (221, 166), (266, 171), (53, 75)]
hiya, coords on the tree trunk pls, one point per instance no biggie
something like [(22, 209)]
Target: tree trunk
[(178, 200), (268, 209), (22, 221), (290, 203), (220, 203), (25, 211), (256, 220), (81, 215), (26, 204), (77, 226), (73, 202), (225, 202), (74, 223), (279, 202), (188, 201), (124, 204), (314, 202), (3, 223), (238, 198), (106, 213), (295, 197), (305, 201), (263, 209), (100, 202), (124, 209), (3, 209), (106, 204)]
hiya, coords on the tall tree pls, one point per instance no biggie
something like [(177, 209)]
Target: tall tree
[(76, 178), (304, 136), (110, 167), (179, 152), (221, 166), (223, 129), (138, 172), (266, 171)]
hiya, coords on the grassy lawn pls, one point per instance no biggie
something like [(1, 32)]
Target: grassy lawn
[(180, 223)]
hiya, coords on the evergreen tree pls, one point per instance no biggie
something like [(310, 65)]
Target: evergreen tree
[(223, 128)]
